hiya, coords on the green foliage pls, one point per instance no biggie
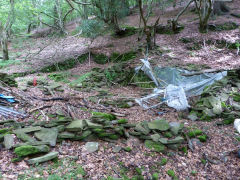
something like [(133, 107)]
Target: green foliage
[(195, 133), (163, 161), (171, 173), (92, 28), (59, 77)]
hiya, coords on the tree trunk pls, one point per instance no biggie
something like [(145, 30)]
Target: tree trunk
[(60, 20), (5, 46)]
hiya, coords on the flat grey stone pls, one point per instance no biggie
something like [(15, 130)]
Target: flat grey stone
[(27, 130), (161, 125), (44, 158), (91, 147), (8, 141), (47, 135)]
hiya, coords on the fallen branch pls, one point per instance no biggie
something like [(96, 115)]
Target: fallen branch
[(39, 108)]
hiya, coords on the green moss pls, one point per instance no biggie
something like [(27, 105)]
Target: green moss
[(65, 65), (225, 26), (155, 176), (122, 121), (23, 151), (59, 77), (8, 79), (186, 40), (204, 161), (202, 138), (194, 173), (100, 58), (168, 135), (195, 133), (236, 97), (126, 31), (143, 81), (106, 116), (113, 136), (127, 149), (139, 171), (163, 161), (81, 171), (116, 57), (155, 146), (184, 150), (98, 130), (171, 173), (4, 131), (238, 138)]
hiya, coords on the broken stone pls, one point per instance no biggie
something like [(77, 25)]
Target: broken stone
[(117, 149), (163, 140), (35, 143), (77, 125), (8, 141), (66, 135), (27, 130), (105, 116), (216, 104), (236, 106), (155, 146), (91, 147), (173, 146), (25, 137), (176, 140), (192, 117), (142, 128), (93, 125), (47, 157), (161, 125), (23, 151), (175, 127), (155, 137), (47, 135)]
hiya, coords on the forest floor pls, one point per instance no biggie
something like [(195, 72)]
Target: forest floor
[(73, 163)]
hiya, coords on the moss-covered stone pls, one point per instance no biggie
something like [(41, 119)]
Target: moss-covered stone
[(30, 150), (8, 79), (127, 149), (155, 146), (171, 173), (163, 161), (223, 27), (65, 65), (106, 116), (122, 121)]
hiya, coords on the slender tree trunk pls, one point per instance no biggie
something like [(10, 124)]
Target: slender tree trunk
[(85, 10), (60, 20), (5, 46)]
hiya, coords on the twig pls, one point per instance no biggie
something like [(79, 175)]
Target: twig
[(39, 108)]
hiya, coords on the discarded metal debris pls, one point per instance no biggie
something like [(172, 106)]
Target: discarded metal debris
[(7, 112), (172, 87)]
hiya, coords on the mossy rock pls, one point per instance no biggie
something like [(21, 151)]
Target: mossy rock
[(65, 65), (8, 79), (125, 32), (155, 146), (167, 29), (186, 40), (30, 150), (105, 116), (223, 27)]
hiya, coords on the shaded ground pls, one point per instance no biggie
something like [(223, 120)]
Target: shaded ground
[(105, 162)]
